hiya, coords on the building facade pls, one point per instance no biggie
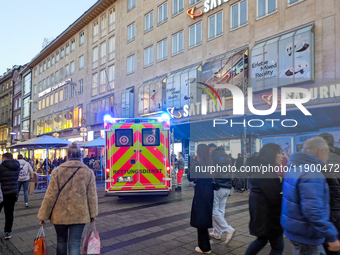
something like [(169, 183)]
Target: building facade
[(26, 102), (131, 58)]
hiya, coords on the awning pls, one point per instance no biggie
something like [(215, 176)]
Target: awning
[(322, 117)]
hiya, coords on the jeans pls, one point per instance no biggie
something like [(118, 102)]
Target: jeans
[(220, 201), (68, 238), (276, 243), (8, 204), (203, 239), (25, 184), (305, 249)]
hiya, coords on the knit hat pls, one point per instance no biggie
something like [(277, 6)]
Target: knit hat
[(329, 138)]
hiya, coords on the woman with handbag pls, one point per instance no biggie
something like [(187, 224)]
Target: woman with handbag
[(202, 204), (70, 201)]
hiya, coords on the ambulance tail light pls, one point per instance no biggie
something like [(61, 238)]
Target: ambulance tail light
[(168, 170), (107, 170)]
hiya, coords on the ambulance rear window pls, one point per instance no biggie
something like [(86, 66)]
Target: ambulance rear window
[(124, 137), (150, 137)]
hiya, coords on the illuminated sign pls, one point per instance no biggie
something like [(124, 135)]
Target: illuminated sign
[(212, 4), (51, 89), (191, 12)]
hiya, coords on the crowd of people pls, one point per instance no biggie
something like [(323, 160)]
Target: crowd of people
[(302, 204)]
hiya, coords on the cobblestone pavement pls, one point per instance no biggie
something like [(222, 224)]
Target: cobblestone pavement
[(139, 225)]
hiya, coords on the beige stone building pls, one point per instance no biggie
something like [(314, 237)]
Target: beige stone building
[(131, 58)]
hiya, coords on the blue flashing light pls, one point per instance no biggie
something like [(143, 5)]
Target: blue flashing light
[(107, 117), (165, 116)]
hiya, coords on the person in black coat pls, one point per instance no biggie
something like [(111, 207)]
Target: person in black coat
[(202, 204), (9, 175), (265, 201)]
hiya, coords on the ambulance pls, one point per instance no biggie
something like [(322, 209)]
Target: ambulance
[(137, 156)]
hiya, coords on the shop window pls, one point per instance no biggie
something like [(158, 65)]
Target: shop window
[(150, 137), (57, 121), (67, 119), (77, 112), (124, 137), (128, 103), (150, 96)]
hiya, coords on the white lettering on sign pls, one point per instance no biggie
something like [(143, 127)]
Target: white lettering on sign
[(49, 90), (212, 4)]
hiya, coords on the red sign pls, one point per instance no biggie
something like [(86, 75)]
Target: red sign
[(191, 12)]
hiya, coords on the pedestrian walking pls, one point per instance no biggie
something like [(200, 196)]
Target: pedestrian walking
[(265, 201), (25, 175), (239, 161), (180, 166), (305, 202), (9, 173), (202, 204), (220, 158), (70, 201)]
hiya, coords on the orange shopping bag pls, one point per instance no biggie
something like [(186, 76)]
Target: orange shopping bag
[(40, 243)]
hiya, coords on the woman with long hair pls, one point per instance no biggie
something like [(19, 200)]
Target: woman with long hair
[(265, 201), (70, 208), (202, 204)]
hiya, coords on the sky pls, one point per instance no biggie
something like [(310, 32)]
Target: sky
[(24, 25)]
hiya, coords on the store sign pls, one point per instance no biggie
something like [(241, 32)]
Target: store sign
[(51, 89), (90, 135), (212, 4), (76, 139), (192, 14)]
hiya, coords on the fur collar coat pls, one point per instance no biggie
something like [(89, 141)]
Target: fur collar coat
[(77, 202)]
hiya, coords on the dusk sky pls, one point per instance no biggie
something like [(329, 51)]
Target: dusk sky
[(25, 24)]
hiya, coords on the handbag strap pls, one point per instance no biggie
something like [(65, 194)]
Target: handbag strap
[(61, 190)]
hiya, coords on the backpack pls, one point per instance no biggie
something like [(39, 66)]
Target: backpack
[(23, 173)]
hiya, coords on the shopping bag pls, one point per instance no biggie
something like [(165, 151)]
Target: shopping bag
[(91, 241), (39, 247), (31, 188)]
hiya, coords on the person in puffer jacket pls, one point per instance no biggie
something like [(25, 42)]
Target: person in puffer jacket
[(305, 202)]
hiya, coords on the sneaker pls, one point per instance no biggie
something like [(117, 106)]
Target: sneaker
[(8, 235), (230, 236), (215, 234), (26, 204), (200, 251)]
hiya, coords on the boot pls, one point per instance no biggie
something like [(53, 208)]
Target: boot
[(179, 188)]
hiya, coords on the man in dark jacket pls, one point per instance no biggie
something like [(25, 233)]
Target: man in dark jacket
[(9, 174), (333, 180), (180, 170), (305, 202), (221, 159)]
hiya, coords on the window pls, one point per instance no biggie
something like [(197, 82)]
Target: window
[(131, 32), (148, 56), (128, 103), (111, 76), (44, 66), (67, 70), (52, 62), (102, 83), (47, 101), (195, 34), (150, 137), (290, 2), (56, 97), (48, 63), (43, 103), (149, 22), (35, 72), (56, 77), (15, 120), (162, 50), (103, 53), (61, 95), (57, 56), (67, 51), (124, 137), (47, 82), (73, 45), (66, 93), (132, 4), (162, 13), (81, 87), (51, 99), (103, 25), (44, 84), (177, 43), (95, 31), (131, 64), (72, 67), (239, 14), (72, 91), (40, 69), (61, 73), (81, 62), (265, 7), (19, 102), (177, 7), (95, 57), (112, 19), (111, 48), (19, 119), (52, 79), (192, 2), (26, 108), (215, 25), (95, 84), (35, 89), (15, 104), (81, 38), (62, 53)]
